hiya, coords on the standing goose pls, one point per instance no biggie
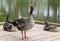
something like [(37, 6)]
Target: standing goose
[(24, 24), (7, 26)]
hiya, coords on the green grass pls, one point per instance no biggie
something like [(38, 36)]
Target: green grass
[(15, 16), (2, 17), (11, 17)]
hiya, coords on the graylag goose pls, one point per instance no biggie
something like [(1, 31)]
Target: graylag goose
[(8, 26), (49, 27), (24, 24)]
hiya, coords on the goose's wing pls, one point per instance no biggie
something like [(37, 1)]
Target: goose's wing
[(21, 23)]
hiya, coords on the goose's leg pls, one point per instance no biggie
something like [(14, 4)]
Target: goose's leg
[(25, 35), (22, 35)]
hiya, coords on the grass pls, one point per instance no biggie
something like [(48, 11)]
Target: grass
[(15, 16), (2, 17), (11, 17)]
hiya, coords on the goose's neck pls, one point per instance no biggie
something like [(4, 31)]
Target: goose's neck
[(30, 18), (7, 17)]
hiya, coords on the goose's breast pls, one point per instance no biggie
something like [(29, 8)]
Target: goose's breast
[(29, 25)]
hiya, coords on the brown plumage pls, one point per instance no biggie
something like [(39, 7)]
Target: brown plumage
[(8, 26), (24, 24), (49, 27)]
